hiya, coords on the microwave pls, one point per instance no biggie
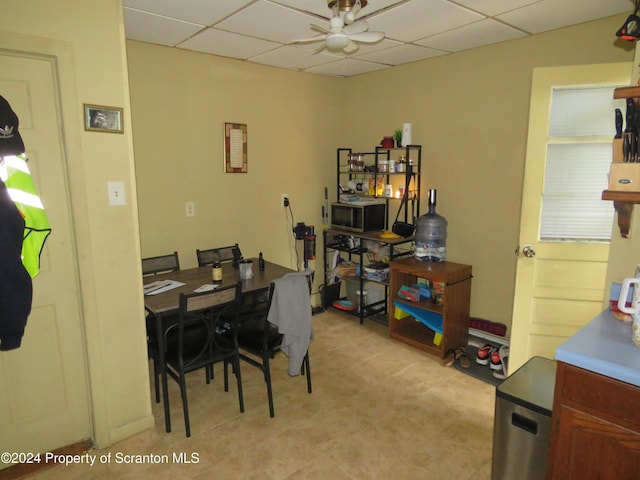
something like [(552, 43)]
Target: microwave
[(358, 218)]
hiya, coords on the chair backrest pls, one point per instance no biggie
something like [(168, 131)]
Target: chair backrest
[(214, 299), (194, 334), (226, 254), (160, 264)]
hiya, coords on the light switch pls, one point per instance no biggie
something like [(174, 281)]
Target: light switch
[(117, 195)]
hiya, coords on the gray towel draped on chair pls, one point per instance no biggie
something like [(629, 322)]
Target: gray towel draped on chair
[(291, 313)]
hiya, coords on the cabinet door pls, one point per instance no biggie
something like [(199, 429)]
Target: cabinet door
[(588, 447)]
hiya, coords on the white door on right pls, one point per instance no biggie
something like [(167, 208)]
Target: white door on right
[(563, 252)]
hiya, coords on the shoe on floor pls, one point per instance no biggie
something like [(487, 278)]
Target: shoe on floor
[(495, 360), (504, 355), (483, 354)]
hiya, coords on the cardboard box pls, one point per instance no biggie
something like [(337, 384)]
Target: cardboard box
[(624, 177)]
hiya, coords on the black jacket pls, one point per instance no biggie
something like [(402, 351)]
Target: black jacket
[(15, 283)]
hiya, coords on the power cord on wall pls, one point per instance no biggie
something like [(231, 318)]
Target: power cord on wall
[(298, 231), (287, 204)]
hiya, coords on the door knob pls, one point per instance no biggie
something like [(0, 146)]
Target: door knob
[(528, 251)]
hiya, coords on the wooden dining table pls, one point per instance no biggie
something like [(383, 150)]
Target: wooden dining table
[(168, 302)]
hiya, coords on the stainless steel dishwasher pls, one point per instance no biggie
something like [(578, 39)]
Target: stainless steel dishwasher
[(522, 421)]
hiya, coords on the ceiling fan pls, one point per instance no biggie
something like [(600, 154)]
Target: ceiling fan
[(344, 31)]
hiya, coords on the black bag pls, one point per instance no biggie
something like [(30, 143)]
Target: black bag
[(403, 229)]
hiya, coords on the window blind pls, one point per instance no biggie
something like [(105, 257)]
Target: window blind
[(581, 127)]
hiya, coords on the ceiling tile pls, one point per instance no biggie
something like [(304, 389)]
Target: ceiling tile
[(365, 48), (269, 21), (218, 42), (401, 54), (551, 14), (435, 16), (494, 7), (312, 6), (203, 12), (293, 58), (484, 32), (345, 68), (150, 28)]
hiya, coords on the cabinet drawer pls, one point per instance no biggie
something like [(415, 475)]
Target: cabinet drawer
[(602, 396)]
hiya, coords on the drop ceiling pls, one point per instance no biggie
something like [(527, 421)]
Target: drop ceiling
[(262, 31)]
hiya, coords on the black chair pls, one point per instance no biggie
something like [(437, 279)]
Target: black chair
[(259, 339), (193, 344), (224, 254), (153, 266), (160, 264)]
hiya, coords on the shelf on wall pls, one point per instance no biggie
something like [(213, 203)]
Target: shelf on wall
[(623, 203), (627, 92)]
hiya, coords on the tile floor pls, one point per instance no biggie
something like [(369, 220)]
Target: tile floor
[(379, 409)]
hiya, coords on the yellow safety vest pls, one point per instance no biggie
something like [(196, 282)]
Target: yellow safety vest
[(15, 174)]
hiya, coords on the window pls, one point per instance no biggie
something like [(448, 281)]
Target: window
[(579, 146)]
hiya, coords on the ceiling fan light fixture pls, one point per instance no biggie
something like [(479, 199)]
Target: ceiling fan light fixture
[(337, 41), (345, 5)]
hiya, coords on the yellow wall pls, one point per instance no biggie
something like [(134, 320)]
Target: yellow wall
[(180, 101), (87, 38), (469, 111)]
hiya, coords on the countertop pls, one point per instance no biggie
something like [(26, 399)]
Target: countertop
[(604, 346)]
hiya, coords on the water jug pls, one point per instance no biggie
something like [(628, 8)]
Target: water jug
[(431, 234)]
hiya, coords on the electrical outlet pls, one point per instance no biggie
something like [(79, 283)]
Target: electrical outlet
[(284, 200), (190, 209)]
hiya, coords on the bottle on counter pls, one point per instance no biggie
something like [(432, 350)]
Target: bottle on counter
[(261, 262), (431, 234), (401, 164), (216, 270)]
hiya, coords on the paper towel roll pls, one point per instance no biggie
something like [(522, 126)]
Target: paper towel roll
[(406, 134)]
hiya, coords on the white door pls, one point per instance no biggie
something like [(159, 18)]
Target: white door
[(561, 287), (44, 401)]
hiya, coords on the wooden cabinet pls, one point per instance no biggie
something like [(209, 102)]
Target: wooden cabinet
[(452, 313), (595, 431)]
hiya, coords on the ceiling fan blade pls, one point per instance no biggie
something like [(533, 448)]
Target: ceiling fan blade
[(358, 27), (351, 47), (310, 39), (318, 28), (350, 16), (367, 37), (319, 49)]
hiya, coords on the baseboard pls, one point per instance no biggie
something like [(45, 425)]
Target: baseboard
[(130, 429), (21, 470)]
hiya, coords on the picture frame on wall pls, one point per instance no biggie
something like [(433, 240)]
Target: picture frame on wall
[(100, 118), (235, 148)]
